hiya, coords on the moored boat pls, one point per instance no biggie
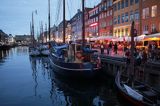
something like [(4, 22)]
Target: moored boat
[(69, 61), (34, 52), (44, 50), (137, 93)]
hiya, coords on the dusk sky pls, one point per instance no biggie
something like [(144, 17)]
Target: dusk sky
[(15, 15)]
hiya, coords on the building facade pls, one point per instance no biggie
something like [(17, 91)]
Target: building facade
[(3, 37), (150, 16), (60, 31), (23, 39), (106, 18), (76, 25), (126, 11), (87, 22), (93, 22)]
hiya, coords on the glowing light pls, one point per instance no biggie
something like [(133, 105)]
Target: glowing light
[(94, 24)]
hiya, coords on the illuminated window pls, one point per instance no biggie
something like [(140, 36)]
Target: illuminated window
[(153, 28), (154, 11), (145, 13)]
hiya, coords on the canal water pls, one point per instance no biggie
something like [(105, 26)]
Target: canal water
[(26, 81)]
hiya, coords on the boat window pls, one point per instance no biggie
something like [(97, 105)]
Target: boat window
[(145, 43), (78, 48)]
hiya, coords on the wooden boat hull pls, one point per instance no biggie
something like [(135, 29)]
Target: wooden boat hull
[(126, 96), (74, 70)]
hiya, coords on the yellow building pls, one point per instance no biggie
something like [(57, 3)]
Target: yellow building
[(125, 11)]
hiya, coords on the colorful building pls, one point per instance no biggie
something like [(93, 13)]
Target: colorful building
[(87, 22), (106, 18), (125, 11), (150, 16), (76, 25), (93, 22)]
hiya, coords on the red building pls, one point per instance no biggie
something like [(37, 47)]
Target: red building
[(106, 18), (150, 16), (93, 22), (87, 22)]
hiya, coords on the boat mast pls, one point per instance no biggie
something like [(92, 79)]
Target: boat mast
[(32, 28), (64, 13), (132, 50), (83, 24), (49, 16)]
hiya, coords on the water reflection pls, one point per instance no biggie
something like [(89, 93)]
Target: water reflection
[(99, 92), (22, 50), (40, 86), (39, 64)]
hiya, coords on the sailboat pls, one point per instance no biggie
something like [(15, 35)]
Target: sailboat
[(74, 60), (33, 51), (135, 92)]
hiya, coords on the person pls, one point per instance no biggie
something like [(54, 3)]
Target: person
[(115, 48), (102, 48), (144, 57), (109, 47)]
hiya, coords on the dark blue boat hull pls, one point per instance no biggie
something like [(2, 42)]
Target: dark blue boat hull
[(74, 70)]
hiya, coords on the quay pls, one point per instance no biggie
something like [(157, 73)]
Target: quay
[(149, 72)]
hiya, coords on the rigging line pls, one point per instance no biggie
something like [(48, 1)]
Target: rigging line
[(58, 11), (69, 9), (80, 5), (56, 17)]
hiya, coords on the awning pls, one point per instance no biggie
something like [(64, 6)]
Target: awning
[(152, 37), (109, 38)]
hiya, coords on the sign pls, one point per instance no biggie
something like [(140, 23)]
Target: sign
[(94, 24)]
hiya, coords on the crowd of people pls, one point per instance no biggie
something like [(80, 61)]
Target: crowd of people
[(141, 55)]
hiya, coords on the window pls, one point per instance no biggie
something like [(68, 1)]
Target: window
[(126, 30), (136, 1), (115, 20), (131, 2), (122, 4), (110, 23), (123, 18), (131, 16), (110, 2), (119, 18), (111, 12), (118, 32), (126, 3), (136, 15), (119, 5), (153, 28), (145, 13), (154, 11), (122, 32), (115, 7), (146, 28), (126, 17)]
